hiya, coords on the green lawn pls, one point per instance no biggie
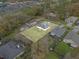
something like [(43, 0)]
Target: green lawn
[(62, 48), (34, 34), (52, 55)]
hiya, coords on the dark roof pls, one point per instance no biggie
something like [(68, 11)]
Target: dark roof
[(44, 25), (74, 36), (58, 31), (10, 50)]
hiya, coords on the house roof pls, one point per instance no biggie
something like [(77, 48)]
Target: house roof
[(44, 25), (52, 14), (34, 33), (71, 20), (73, 35), (10, 50), (58, 31)]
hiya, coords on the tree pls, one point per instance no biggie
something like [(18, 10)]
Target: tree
[(10, 22), (75, 1), (32, 11), (74, 9), (61, 8), (46, 5), (74, 54), (62, 48)]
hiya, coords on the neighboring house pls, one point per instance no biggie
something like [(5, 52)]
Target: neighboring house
[(71, 20), (29, 24), (51, 16), (77, 23), (11, 50), (58, 32), (72, 37), (36, 36)]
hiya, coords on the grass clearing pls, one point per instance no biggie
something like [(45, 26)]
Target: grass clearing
[(52, 55), (34, 34), (62, 48)]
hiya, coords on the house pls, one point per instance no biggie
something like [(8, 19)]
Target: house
[(71, 20), (10, 50), (58, 32), (51, 16), (73, 37)]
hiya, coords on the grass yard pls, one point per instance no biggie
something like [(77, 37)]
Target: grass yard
[(52, 55), (62, 48), (34, 34)]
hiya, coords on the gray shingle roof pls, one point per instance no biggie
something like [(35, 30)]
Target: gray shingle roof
[(71, 19), (74, 36), (44, 25), (10, 51), (58, 31)]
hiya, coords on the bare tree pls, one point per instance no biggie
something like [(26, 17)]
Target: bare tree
[(61, 7)]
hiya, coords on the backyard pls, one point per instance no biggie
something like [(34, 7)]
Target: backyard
[(34, 34)]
